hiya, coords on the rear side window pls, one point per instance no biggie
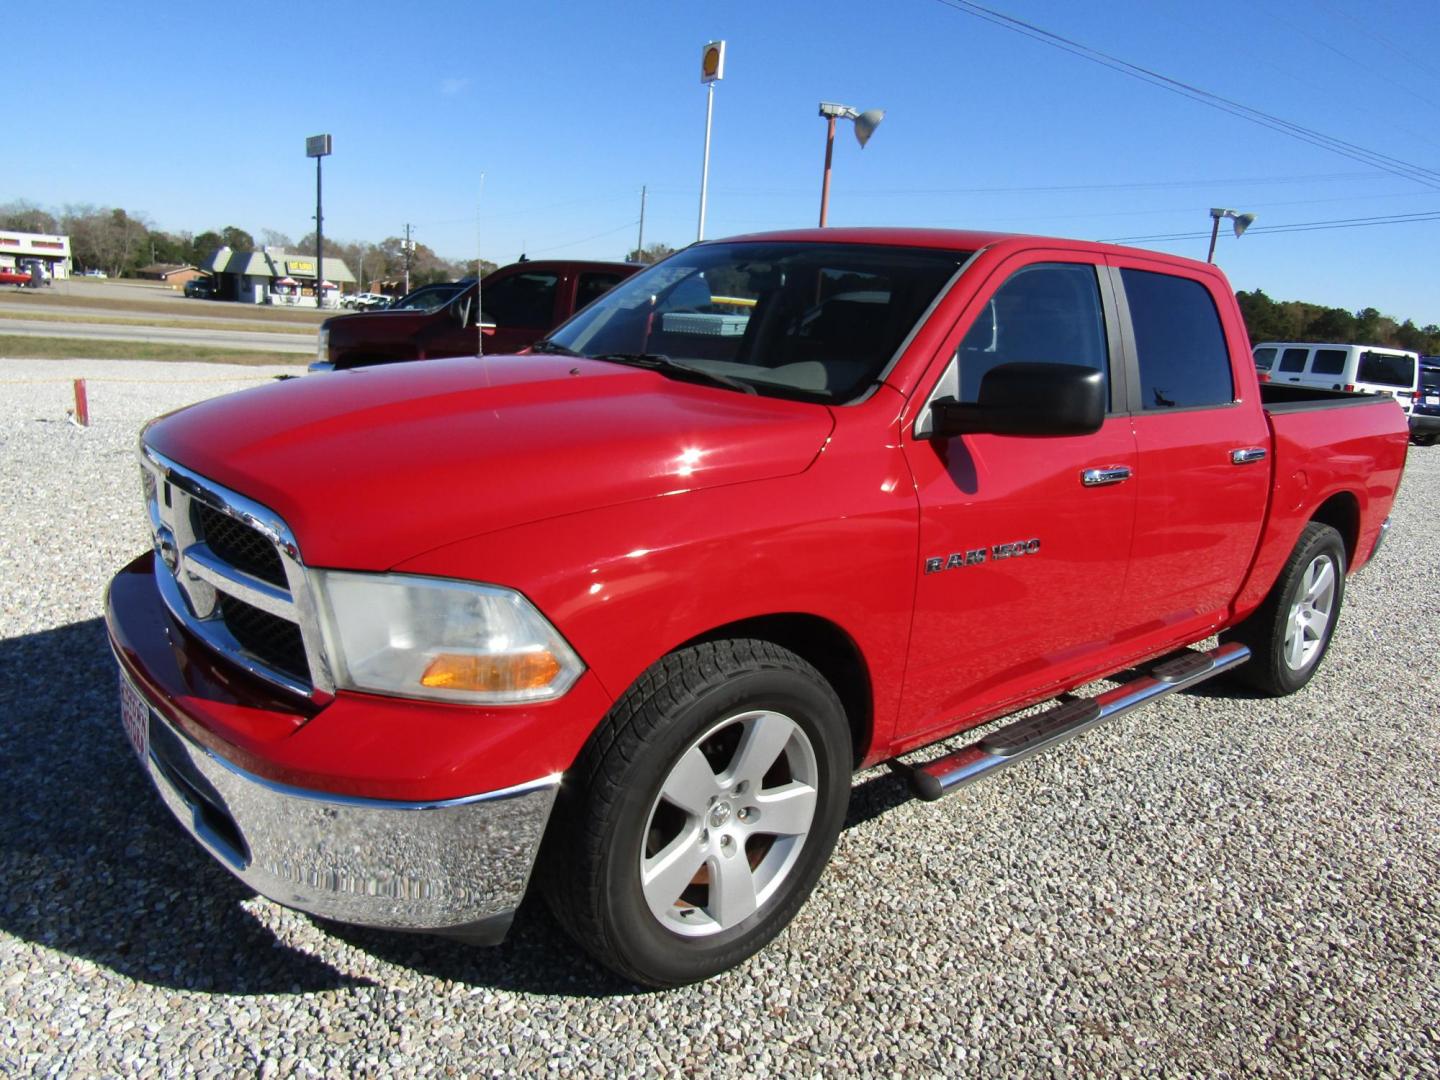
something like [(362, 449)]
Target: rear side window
[(1328, 362), (1386, 369), (593, 285), (1264, 358), (1049, 312), (1179, 341), (1294, 359)]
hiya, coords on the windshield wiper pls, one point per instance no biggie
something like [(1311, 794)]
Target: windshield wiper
[(545, 345), (662, 363)]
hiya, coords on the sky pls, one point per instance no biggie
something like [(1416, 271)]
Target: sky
[(503, 128)]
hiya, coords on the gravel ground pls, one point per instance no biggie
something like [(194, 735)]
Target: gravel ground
[(1217, 885)]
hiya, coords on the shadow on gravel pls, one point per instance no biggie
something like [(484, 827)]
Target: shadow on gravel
[(91, 862), (536, 958)]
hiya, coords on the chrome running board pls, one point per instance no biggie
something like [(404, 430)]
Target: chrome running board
[(1026, 737)]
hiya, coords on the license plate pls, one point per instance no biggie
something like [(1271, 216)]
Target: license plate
[(135, 715), (1432, 399)]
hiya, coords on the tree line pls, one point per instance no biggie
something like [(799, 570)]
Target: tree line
[(1295, 320), (122, 242)]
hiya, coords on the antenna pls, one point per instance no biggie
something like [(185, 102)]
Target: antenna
[(479, 307)]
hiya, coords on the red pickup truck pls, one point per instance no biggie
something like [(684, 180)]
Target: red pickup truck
[(633, 608), (518, 304)]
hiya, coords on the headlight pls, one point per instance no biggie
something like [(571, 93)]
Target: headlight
[(446, 640), (322, 345)]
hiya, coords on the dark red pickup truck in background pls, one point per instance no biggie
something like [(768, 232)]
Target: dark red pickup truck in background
[(633, 607), (519, 304)]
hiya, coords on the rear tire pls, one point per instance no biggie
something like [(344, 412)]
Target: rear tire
[(701, 813), (1290, 632)]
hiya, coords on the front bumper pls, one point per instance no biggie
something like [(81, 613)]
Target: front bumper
[(459, 866)]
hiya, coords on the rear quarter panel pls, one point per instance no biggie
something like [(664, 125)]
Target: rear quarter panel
[(1352, 449)]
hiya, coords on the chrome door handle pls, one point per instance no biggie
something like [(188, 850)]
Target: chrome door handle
[(1247, 455), (1111, 474)]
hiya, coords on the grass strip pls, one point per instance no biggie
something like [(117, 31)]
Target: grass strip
[(173, 324), (16, 347)]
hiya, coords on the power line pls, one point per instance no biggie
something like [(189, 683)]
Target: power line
[(1419, 174), (1299, 226), (1050, 189), (585, 239)]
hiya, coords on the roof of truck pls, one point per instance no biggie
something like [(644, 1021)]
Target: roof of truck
[(950, 239)]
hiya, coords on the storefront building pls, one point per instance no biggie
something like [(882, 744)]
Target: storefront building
[(19, 250), (274, 276)]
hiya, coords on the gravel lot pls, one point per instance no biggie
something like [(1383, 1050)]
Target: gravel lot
[(1218, 885)]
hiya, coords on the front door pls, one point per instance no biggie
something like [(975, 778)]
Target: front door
[(1023, 540)]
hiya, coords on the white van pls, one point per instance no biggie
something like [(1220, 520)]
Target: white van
[(1362, 368)]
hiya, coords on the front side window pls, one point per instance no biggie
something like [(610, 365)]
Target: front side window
[(1047, 313), (524, 299), (1386, 369), (813, 321), (1179, 341)]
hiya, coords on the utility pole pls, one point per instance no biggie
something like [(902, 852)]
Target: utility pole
[(640, 243), (406, 248)]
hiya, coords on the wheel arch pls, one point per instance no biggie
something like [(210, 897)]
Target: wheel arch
[(826, 647), (1341, 512)]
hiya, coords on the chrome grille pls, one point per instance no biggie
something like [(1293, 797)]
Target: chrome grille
[(238, 544), (230, 571)]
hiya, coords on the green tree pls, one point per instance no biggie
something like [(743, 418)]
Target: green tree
[(237, 239), (204, 245), (652, 253), (24, 216)]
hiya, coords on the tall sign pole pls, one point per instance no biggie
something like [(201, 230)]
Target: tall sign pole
[(712, 70), (318, 146)]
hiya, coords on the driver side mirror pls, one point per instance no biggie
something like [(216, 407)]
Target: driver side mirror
[(1026, 399)]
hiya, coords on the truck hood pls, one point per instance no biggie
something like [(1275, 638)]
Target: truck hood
[(374, 466)]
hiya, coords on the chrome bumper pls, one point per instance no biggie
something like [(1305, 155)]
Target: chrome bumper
[(456, 867)]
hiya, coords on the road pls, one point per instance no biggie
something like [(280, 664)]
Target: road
[(258, 341)]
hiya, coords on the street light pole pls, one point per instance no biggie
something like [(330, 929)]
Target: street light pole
[(825, 184), (318, 146), (865, 125)]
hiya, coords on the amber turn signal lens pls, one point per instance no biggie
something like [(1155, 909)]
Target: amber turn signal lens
[(514, 671)]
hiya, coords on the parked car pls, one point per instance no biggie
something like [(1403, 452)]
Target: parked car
[(366, 301), (1425, 414), (1364, 368), (200, 288), (520, 303), (634, 607)]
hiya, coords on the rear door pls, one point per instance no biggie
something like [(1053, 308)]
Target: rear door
[(1202, 478), (1021, 560)]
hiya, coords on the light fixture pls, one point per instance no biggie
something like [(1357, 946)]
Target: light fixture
[(1242, 222)]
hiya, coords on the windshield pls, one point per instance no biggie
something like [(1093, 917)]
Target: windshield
[(815, 321), (429, 297)]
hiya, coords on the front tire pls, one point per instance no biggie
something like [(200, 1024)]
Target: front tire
[(1290, 632), (700, 815)]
